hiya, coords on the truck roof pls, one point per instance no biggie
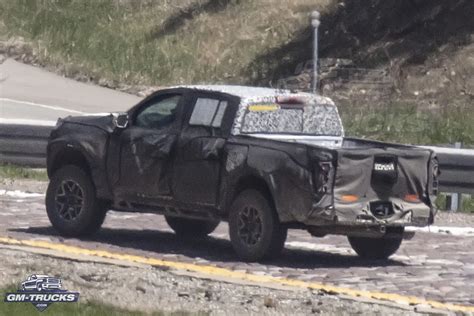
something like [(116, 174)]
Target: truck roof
[(247, 92)]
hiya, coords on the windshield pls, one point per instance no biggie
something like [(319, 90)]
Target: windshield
[(307, 119)]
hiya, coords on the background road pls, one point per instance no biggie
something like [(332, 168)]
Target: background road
[(31, 93)]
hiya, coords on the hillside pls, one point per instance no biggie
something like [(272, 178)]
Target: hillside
[(401, 70)]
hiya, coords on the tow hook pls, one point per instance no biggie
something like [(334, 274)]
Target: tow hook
[(383, 229)]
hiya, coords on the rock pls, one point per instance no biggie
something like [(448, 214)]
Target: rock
[(315, 310), (183, 294), (269, 302), (140, 289), (88, 277), (208, 294)]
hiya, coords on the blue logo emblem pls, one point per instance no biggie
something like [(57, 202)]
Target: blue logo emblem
[(41, 291)]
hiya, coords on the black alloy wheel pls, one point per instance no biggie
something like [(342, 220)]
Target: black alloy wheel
[(250, 226), (71, 202), (69, 199), (254, 227)]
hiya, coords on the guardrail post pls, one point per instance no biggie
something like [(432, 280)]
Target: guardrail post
[(455, 199)]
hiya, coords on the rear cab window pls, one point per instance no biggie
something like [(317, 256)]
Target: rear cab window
[(301, 118)]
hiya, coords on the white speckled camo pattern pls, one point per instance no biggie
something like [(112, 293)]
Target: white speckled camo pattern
[(322, 118)]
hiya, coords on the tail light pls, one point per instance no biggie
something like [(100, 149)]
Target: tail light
[(412, 198), (294, 100), (349, 198)]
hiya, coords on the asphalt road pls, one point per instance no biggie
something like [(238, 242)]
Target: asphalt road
[(29, 94)]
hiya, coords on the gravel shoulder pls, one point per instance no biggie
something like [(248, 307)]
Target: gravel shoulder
[(148, 289)]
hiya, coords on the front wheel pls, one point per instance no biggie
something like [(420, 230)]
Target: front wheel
[(186, 227), (71, 203), (375, 248), (254, 228)]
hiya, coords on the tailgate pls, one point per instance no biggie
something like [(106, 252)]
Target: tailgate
[(386, 184)]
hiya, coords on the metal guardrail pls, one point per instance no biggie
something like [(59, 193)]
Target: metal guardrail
[(457, 169), (26, 145)]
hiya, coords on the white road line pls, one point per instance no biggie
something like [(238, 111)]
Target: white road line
[(50, 107), (447, 230), (20, 194), (27, 122), (319, 247)]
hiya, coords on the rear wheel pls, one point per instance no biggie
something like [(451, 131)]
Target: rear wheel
[(186, 227), (71, 203), (254, 227), (375, 248)]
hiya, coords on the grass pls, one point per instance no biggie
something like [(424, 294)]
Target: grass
[(158, 42), (466, 206), (405, 123), (75, 309), (15, 172)]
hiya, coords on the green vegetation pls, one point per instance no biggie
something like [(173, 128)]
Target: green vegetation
[(405, 123), (73, 309), (467, 203), (15, 172), (157, 42)]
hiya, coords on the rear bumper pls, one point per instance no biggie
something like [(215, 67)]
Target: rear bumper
[(360, 214)]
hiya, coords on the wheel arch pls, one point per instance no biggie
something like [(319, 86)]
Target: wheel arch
[(68, 156), (250, 182)]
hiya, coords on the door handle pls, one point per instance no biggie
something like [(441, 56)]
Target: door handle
[(212, 150)]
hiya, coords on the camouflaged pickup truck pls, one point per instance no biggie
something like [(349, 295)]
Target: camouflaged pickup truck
[(263, 160)]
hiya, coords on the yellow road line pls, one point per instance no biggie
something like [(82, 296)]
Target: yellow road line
[(222, 272)]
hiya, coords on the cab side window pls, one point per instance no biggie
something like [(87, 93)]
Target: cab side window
[(208, 112), (158, 113)]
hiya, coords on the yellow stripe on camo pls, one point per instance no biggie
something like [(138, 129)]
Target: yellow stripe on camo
[(263, 107), (222, 272)]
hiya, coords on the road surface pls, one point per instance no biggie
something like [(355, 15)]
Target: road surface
[(433, 266), (29, 94)]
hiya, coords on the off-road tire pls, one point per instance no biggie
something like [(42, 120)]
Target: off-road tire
[(91, 216), (191, 228), (272, 236), (375, 248)]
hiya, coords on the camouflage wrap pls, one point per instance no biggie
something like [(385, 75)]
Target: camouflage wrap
[(318, 117)]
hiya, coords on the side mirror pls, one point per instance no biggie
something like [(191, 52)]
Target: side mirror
[(120, 120)]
